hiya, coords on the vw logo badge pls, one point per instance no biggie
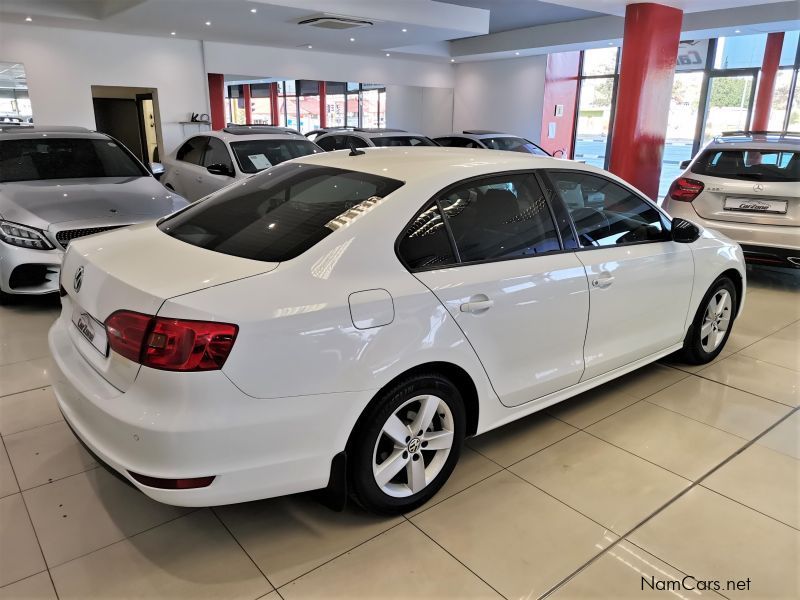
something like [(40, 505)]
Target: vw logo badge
[(77, 281), (414, 445), (758, 188)]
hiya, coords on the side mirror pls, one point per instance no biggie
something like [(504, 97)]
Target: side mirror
[(220, 169), (684, 232), (685, 164), (157, 169)]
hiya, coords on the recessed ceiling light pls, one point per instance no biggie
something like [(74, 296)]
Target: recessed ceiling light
[(172, 33), (404, 30), (208, 23), (28, 19), (253, 10), (738, 31), (387, 54), (352, 39), (516, 53), (452, 60), (610, 43)]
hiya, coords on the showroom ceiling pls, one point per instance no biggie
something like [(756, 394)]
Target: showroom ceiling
[(455, 30)]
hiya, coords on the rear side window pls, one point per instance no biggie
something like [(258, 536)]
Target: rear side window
[(607, 214), (192, 150), (278, 214), (457, 142), (329, 142), (513, 144), (750, 165), (500, 217), (405, 140), (425, 243), (217, 154)]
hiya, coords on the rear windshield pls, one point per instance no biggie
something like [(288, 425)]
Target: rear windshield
[(750, 165), (256, 155), (403, 140), (65, 158), (513, 144), (278, 214)]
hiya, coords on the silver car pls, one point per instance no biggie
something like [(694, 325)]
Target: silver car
[(493, 140), (61, 183), (745, 185)]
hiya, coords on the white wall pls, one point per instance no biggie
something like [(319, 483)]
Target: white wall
[(502, 95), (62, 64), (290, 63), (419, 109)]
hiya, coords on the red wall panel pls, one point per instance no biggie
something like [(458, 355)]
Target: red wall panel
[(560, 88), (216, 98), (766, 83)]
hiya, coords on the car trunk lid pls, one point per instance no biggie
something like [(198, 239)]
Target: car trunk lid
[(749, 201), (135, 268)]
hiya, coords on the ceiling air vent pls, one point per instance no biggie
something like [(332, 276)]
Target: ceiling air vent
[(329, 21)]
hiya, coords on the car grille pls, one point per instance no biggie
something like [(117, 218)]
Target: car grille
[(66, 236)]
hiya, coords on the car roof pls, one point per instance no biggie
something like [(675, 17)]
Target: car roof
[(22, 132), (755, 140), (479, 134), (410, 163), (257, 132)]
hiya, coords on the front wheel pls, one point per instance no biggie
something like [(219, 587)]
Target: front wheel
[(712, 323), (407, 444)]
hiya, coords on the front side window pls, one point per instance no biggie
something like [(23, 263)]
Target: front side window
[(257, 155), (329, 142), (750, 165), (607, 214), (192, 151), (513, 144), (457, 142), (500, 217), (404, 140), (41, 158), (279, 214), (217, 154)]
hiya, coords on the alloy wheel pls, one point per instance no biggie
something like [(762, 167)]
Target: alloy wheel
[(413, 446), (716, 320)]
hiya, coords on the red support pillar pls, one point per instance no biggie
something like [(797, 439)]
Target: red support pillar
[(273, 103), (248, 105), (216, 99), (323, 108), (649, 53), (766, 82), (560, 102)]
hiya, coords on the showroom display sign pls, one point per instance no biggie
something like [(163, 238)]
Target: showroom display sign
[(692, 55)]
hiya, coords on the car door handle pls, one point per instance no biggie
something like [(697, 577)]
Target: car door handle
[(603, 282), (477, 305)]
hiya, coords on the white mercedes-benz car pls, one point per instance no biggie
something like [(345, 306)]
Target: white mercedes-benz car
[(345, 320), (746, 185)]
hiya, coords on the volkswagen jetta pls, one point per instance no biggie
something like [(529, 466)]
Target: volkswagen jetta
[(351, 318)]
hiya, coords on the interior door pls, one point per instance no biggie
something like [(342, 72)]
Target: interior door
[(521, 302), (640, 281)]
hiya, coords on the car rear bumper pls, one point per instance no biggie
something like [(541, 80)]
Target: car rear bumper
[(187, 425), (761, 243), (29, 271)]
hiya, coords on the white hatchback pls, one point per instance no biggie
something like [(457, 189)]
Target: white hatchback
[(211, 160), (747, 186), (345, 320)]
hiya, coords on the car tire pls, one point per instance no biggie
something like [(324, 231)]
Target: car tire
[(712, 323), (394, 469)]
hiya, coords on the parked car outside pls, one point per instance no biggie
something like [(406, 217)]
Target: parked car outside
[(61, 183), (345, 320), (211, 160), (358, 137), (746, 185), (491, 140)]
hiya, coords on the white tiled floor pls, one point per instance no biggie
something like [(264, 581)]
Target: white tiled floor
[(663, 473)]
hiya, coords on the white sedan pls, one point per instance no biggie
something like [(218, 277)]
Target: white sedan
[(345, 320)]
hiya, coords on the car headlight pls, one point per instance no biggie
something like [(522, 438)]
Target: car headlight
[(24, 237)]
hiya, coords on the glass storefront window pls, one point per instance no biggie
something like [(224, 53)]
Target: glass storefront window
[(600, 61), (594, 119), (780, 100), (728, 105), (681, 123), (740, 52), (789, 49), (369, 108), (794, 115), (309, 113)]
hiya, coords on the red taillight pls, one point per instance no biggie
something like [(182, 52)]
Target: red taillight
[(685, 189), (170, 344)]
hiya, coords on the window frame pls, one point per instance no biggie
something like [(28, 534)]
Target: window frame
[(535, 173), (666, 220)]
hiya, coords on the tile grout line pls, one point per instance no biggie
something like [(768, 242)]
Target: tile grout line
[(740, 503), (238, 543), (6, 435), (679, 495), (446, 551), (30, 520)]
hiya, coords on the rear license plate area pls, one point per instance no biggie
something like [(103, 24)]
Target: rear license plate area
[(756, 205), (92, 330)]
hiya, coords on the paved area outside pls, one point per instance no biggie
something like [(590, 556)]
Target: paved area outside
[(671, 471)]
